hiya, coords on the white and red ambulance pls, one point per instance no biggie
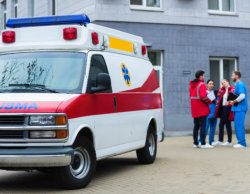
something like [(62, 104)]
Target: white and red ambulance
[(72, 93)]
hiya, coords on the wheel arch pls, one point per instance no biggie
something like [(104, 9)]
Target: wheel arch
[(153, 122), (85, 131)]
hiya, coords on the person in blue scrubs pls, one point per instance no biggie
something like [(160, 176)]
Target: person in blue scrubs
[(239, 108), (211, 119)]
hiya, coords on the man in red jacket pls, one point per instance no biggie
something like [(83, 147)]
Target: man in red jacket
[(199, 108)]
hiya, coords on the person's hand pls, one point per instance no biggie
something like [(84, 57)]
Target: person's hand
[(232, 102)]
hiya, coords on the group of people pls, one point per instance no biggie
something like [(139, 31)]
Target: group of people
[(230, 104)]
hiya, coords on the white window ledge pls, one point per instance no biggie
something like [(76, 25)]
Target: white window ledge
[(226, 13), (142, 8)]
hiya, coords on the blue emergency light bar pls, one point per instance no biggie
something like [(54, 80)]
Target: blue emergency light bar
[(47, 21)]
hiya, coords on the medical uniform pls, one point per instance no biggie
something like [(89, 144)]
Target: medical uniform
[(240, 113), (211, 121)]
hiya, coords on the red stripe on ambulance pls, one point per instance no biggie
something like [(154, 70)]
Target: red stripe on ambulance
[(150, 85), (97, 104)]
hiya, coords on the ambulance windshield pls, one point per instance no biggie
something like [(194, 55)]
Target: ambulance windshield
[(42, 72)]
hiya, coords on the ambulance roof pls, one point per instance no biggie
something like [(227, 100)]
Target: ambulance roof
[(73, 32)]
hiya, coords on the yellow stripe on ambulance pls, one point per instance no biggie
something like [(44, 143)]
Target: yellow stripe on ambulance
[(123, 45)]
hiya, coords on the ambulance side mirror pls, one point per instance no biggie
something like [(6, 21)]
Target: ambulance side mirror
[(103, 83)]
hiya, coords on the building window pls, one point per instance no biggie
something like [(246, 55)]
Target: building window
[(156, 59), (154, 5), (53, 7), (4, 12), (15, 8), (222, 68), (222, 6)]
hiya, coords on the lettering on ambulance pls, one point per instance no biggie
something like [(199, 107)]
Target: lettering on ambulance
[(18, 105), (21, 106)]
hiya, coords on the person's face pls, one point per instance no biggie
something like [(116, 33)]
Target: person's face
[(234, 77), (224, 83), (202, 77), (210, 85)]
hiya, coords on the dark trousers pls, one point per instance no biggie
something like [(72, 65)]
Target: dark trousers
[(200, 124), (224, 120)]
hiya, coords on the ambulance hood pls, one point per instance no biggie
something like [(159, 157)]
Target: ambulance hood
[(32, 102)]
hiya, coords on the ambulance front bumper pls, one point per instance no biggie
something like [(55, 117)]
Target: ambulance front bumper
[(36, 157)]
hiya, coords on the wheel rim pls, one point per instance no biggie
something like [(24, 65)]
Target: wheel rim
[(81, 163), (151, 141)]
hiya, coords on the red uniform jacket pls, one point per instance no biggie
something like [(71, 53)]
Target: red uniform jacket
[(220, 94), (199, 100)]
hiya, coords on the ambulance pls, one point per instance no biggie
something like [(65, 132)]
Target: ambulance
[(73, 93)]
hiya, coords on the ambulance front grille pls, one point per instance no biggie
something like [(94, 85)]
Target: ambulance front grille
[(11, 134), (12, 120)]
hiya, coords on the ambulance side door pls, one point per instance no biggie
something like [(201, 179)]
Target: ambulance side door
[(103, 105), (131, 120)]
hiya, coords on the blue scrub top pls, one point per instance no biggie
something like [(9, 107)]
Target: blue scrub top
[(212, 108), (240, 88)]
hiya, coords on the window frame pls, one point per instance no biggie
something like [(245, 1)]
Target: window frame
[(221, 59), (144, 7), (159, 68), (15, 6), (32, 8), (221, 12), (4, 13), (53, 7)]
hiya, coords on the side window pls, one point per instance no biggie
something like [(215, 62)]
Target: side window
[(97, 65)]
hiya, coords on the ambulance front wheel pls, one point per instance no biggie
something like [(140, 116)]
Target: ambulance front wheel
[(81, 171), (147, 154)]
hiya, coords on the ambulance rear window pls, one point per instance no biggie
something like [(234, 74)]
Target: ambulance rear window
[(45, 72)]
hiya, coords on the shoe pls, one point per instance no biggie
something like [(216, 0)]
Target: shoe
[(195, 146), (206, 146), (218, 143), (199, 144), (227, 144), (213, 144), (239, 146)]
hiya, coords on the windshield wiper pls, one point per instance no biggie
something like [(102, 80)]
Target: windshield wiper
[(39, 86)]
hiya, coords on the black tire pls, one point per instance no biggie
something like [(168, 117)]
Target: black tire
[(82, 169), (147, 154)]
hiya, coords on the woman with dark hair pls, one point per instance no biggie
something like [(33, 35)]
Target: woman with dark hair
[(211, 119), (225, 114)]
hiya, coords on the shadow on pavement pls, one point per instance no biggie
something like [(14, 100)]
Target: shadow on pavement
[(19, 181)]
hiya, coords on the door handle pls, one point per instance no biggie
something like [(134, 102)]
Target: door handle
[(115, 104)]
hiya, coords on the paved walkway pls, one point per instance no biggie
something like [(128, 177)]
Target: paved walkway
[(179, 168)]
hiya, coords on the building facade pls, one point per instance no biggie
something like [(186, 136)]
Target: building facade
[(182, 36)]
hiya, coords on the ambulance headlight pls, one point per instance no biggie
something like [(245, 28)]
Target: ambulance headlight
[(42, 134), (48, 120), (55, 134)]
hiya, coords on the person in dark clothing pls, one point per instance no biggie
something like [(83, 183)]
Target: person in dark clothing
[(199, 108), (225, 114)]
